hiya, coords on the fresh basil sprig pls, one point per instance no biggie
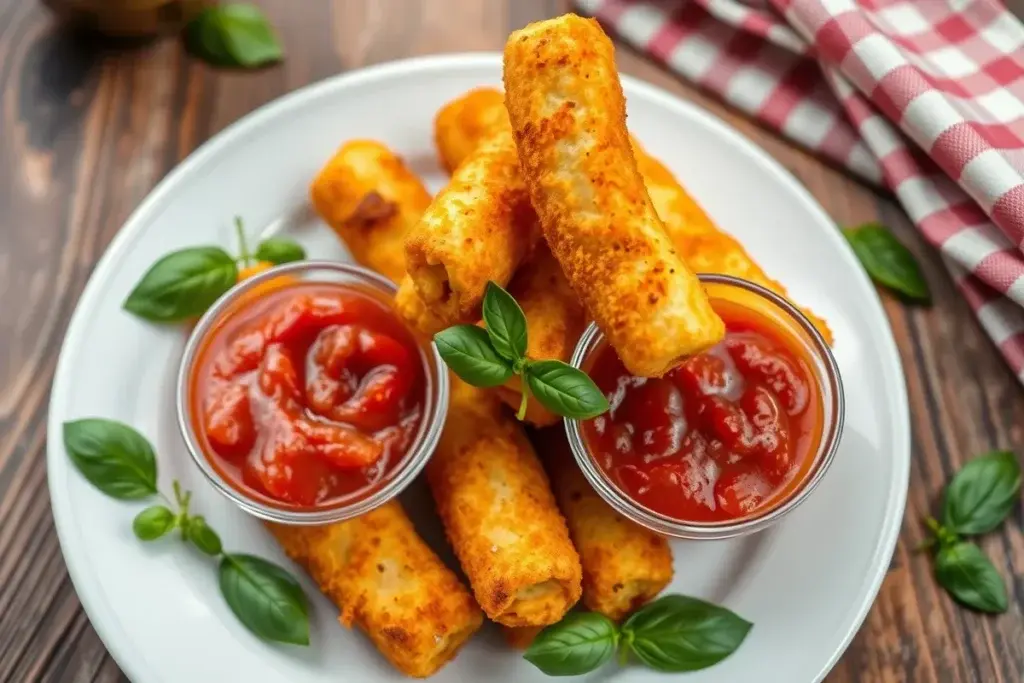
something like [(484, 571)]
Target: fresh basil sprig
[(488, 358), (980, 496), (233, 35), (184, 283), (119, 461), (888, 262), (675, 633)]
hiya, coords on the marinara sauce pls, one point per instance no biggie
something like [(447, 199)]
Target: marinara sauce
[(309, 395), (727, 433)]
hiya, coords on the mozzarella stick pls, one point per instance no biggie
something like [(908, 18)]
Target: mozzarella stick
[(704, 247), (554, 322), (499, 514), (461, 124), (478, 228), (568, 114), (370, 199), (390, 584), (624, 564)]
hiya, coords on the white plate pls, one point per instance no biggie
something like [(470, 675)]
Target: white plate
[(807, 584)]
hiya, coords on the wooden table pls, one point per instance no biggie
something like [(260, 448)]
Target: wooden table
[(87, 130)]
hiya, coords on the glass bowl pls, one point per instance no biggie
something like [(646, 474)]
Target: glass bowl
[(423, 444), (829, 382)]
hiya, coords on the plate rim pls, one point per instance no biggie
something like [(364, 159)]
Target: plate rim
[(87, 588)]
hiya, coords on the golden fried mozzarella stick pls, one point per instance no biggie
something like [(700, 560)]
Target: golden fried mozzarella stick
[(567, 110), (461, 124), (704, 247), (390, 584), (371, 199), (499, 514), (554, 322), (478, 228), (624, 564)]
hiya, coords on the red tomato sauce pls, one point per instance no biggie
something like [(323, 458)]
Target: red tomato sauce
[(308, 396), (724, 435)]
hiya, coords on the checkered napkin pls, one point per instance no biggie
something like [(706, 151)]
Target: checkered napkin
[(923, 96)]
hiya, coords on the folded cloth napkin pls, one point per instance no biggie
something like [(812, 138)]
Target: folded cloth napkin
[(924, 97)]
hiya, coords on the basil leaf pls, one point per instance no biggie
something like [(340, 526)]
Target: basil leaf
[(203, 537), (964, 571), (278, 250), (505, 321), (265, 598), (564, 390), (579, 643), (115, 458), (466, 349), (182, 284), (204, 38), (153, 522), (983, 493), (888, 262), (233, 35), (677, 633)]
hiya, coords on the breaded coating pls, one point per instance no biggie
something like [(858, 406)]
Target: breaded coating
[(413, 311), (499, 514), (390, 584), (478, 228), (461, 124), (371, 199), (568, 114), (624, 564), (704, 247), (554, 322)]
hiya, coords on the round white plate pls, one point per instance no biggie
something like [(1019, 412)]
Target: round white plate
[(806, 585)]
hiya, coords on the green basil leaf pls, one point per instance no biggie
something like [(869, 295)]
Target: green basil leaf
[(115, 458), (202, 536), (265, 598), (888, 262), (183, 284), (204, 38), (278, 250), (564, 390), (983, 493), (467, 350), (579, 643), (153, 522), (677, 633), (233, 35), (969, 576), (506, 323)]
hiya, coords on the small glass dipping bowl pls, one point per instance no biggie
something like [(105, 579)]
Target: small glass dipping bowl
[(435, 404), (828, 382)]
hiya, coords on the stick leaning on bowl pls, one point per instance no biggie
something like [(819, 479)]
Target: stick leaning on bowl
[(568, 115)]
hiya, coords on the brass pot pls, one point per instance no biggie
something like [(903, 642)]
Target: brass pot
[(129, 18)]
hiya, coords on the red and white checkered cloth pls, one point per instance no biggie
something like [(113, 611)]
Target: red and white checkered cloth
[(923, 96)]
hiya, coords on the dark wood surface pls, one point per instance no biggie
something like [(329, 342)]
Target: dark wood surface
[(87, 129)]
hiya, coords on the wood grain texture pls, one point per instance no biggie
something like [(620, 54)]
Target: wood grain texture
[(87, 129)]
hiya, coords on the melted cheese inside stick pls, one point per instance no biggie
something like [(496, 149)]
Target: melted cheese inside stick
[(568, 115)]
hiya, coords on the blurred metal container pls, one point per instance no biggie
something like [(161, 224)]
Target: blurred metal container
[(129, 18)]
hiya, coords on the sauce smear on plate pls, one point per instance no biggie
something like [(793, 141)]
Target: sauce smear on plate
[(308, 396), (722, 436)]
